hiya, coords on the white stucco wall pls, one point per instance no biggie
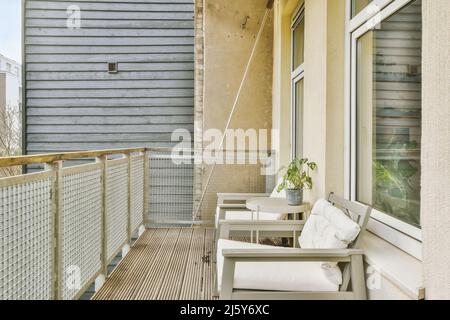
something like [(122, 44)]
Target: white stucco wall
[(435, 205)]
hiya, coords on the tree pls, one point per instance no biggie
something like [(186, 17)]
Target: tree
[(10, 138)]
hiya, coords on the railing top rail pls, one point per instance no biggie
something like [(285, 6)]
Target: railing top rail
[(53, 157)]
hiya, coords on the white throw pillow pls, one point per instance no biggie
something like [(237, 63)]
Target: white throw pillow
[(328, 227), (346, 229), (320, 206), (319, 233)]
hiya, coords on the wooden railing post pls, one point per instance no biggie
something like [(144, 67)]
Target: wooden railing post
[(57, 191), (104, 273), (146, 186)]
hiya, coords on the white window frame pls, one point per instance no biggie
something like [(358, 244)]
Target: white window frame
[(402, 235), (297, 75)]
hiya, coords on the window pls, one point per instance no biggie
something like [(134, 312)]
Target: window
[(8, 67), (297, 78), (386, 116), (298, 118), (298, 42), (359, 5)]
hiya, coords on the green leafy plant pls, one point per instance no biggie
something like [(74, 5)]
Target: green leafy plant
[(297, 175)]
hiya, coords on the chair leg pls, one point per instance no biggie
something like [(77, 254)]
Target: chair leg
[(357, 277), (216, 293), (224, 231), (226, 291), (220, 216)]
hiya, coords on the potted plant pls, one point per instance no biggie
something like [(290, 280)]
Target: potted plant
[(296, 179)]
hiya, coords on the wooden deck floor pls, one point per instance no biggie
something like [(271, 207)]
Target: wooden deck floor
[(165, 264)]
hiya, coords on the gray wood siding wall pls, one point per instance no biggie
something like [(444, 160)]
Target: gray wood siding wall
[(73, 103)]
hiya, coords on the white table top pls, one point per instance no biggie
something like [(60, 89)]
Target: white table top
[(275, 205)]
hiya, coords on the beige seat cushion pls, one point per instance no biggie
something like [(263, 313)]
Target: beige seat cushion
[(274, 276)]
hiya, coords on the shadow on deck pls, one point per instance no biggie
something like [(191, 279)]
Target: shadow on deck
[(165, 264)]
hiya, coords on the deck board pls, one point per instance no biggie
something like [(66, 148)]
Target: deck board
[(192, 283), (208, 267), (165, 264)]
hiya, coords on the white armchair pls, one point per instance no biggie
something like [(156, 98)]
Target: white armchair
[(329, 259)]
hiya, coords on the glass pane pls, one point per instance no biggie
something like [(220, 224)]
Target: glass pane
[(299, 119), (299, 43), (389, 115), (358, 6)]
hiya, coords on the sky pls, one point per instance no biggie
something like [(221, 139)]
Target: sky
[(10, 29)]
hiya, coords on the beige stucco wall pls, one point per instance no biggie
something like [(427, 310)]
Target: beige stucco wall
[(227, 49), (324, 100), (281, 115), (228, 46), (435, 204), (324, 90), (334, 179), (315, 103)]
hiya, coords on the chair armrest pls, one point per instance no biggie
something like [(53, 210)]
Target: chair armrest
[(226, 226), (239, 196), (288, 254), (352, 257), (223, 208)]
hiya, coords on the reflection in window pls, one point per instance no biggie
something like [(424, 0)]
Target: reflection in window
[(299, 119), (358, 6), (389, 115), (298, 42)]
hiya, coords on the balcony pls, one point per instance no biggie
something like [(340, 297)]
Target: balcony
[(64, 227)]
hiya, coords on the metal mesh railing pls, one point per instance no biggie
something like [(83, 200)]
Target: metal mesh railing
[(26, 237), (116, 206), (81, 228), (137, 192), (171, 189), (59, 229)]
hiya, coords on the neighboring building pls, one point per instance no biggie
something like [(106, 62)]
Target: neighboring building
[(10, 108), (124, 78), (10, 84)]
